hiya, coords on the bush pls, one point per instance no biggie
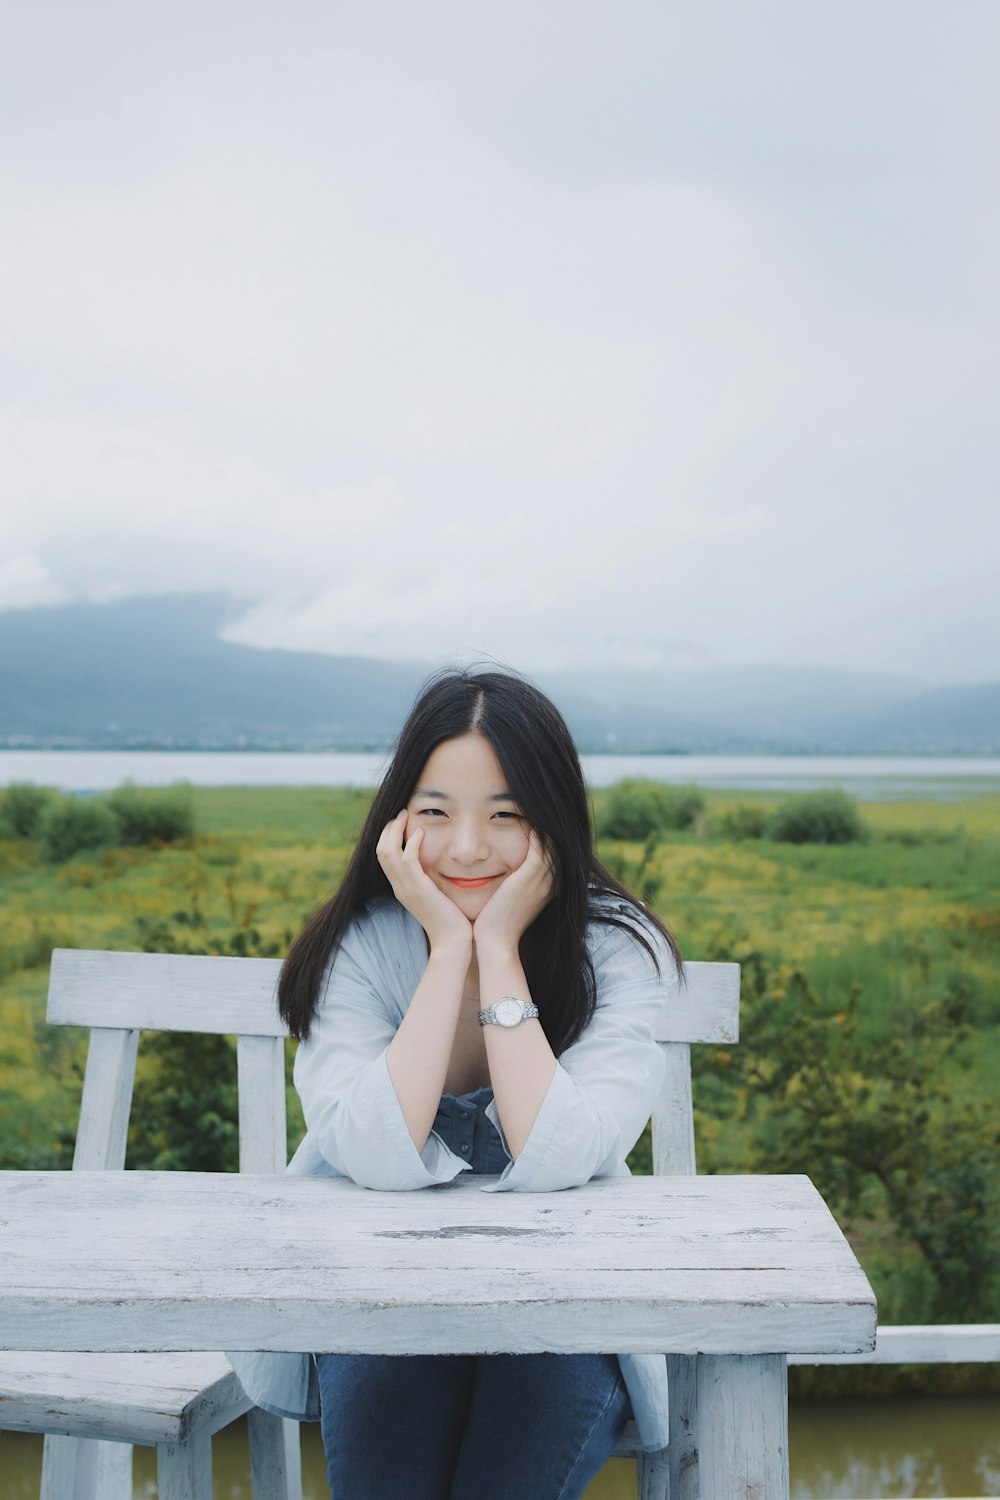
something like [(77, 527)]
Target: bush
[(184, 1114), (825, 817), (880, 1130), (23, 806), (631, 811), (636, 808), (152, 817), (72, 825), (745, 822), (682, 805)]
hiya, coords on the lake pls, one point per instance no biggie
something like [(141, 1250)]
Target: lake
[(867, 777)]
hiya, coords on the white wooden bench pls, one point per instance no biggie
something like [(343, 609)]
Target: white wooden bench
[(94, 1407), (176, 1402)]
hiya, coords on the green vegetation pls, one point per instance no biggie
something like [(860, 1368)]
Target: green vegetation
[(823, 817), (152, 817), (870, 1020), (21, 809), (635, 808), (67, 825), (744, 822)]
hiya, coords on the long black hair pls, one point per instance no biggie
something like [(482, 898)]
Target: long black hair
[(536, 753)]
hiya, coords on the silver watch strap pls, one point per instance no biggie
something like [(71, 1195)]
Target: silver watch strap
[(528, 1011)]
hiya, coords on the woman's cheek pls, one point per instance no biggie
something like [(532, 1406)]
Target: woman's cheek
[(427, 853), (518, 860)]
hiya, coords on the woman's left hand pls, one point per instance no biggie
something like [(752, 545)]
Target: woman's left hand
[(516, 903)]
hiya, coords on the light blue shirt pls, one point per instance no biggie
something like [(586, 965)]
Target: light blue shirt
[(594, 1110)]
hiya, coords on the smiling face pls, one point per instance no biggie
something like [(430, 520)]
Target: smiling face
[(474, 834)]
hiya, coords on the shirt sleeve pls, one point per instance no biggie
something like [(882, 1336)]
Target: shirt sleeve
[(603, 1088), (350, 1106)]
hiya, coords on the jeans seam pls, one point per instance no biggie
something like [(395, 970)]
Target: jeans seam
[(618, 1386)]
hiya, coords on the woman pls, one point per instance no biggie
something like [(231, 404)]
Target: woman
[(479, 995)]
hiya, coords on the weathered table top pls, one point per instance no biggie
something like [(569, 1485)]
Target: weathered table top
[(177, 1260)]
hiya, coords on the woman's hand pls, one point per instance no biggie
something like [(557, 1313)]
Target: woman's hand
[(516, 903), (413, 888)]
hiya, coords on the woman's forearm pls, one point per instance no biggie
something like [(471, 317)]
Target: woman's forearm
[(521, 1062), (418, 1055)]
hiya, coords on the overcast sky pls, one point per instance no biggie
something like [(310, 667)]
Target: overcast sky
[(570, 332)]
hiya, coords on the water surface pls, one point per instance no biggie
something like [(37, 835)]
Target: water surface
[(870, 777), (840, 1450)]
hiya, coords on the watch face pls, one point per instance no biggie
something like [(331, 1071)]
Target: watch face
[(508, 1012)]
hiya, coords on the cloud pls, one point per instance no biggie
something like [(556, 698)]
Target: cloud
[(557, 333), (113, 507), (25, 583)]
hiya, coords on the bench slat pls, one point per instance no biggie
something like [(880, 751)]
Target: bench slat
[(261, 1072), (139, 1398), (236, 996), (107, 1101), (164, 992)]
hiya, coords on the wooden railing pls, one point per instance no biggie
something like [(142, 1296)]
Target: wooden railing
[(921, 1344)]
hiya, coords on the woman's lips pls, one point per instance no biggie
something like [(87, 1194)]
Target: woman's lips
[(471, 885)]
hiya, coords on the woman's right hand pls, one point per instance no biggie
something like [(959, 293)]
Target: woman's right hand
[(413, 888)]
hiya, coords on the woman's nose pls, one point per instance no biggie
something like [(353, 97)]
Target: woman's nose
[(468, 842)]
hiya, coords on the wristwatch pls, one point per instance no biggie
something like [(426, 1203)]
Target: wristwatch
[(507, 1012)]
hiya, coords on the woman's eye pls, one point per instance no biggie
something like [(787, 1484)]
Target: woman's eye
[(432, 812), (516, 817)]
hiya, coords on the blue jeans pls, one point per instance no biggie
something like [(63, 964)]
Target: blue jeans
[(468, 1427)]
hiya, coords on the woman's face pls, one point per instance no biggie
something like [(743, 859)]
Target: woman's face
[(474, 834)]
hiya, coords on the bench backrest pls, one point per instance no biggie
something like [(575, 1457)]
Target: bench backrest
[(120, 994)]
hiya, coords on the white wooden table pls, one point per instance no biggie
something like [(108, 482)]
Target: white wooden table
[(741, 1270)]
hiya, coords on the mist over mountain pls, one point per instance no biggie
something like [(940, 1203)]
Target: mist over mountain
[(154, 672)]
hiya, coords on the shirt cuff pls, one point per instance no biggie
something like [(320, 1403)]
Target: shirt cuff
[(537, 1169), (375, 1149)]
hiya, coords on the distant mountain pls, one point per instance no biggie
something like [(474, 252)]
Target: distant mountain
[(154, 672), (953, 720), (747, 709), (781, 710)]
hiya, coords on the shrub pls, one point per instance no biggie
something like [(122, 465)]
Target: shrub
[(824, 817), (152, 817), (745, 822), (636, 808), (72, 825), (682, 805), (184, 1113), (23, 806), (631, 811), (880, 1130)]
